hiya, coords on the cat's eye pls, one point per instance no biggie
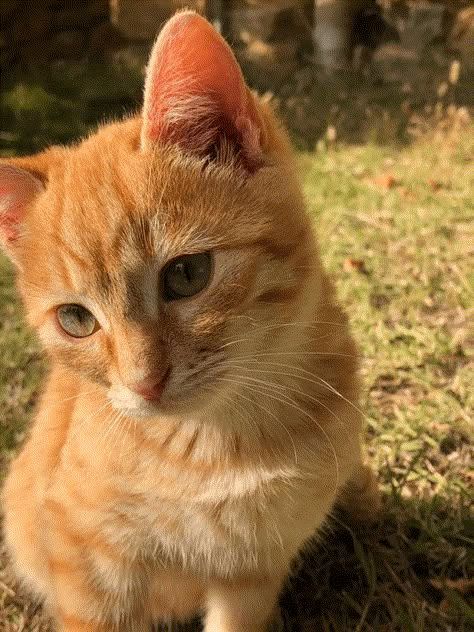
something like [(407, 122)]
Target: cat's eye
[(77, 321), (186, 276)]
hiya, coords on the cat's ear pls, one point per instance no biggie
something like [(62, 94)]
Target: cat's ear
[(18, 188), (196, 96)]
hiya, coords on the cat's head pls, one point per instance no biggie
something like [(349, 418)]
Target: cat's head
[(164, 249)]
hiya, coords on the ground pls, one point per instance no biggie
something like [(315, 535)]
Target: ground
[(395, 225)]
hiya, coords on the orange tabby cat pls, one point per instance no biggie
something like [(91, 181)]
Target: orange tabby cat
[(199, 420)]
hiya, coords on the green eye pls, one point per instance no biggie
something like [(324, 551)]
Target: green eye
[(186, 276), (77, 321)]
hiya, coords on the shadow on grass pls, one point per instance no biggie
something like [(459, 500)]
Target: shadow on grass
[(352, 110), (405, 573), (378, 577)]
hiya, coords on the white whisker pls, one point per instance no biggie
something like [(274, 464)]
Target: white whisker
[(285, 399), (322, 382), (288, 388)]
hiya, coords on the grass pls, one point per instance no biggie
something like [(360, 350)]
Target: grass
[(395, 226), (61, 104)]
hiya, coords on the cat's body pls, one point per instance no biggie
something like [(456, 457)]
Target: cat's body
[(183, 450)]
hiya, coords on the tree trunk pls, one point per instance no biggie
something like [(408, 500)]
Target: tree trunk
[(333, 31)]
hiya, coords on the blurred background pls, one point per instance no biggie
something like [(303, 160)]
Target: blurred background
[(364, 69)]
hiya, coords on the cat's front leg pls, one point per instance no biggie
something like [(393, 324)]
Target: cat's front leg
[(73, 624), (95, 587), (361, 496), (243, 605)]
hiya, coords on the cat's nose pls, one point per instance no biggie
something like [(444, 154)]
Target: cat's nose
[(151, 387)]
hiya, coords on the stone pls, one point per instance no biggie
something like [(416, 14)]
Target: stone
[(268, 37), (333, 32), (255, 17), (418, 23)]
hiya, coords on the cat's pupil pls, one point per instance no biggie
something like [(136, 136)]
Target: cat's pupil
[(186, 276)]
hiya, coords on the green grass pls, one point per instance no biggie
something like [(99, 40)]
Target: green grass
[(61, 105), (400, 257), (20, 368)]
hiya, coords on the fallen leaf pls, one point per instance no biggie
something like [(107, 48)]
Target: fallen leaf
[(351, 265), (435, 185), (407, 193), (387, 181)]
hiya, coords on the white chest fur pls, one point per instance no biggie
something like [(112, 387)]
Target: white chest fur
[(234, 521)]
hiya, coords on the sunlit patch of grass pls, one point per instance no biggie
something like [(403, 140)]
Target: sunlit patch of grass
[(410, 299), (410, 303)]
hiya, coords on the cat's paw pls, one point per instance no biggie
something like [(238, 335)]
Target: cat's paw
[(361, 498)]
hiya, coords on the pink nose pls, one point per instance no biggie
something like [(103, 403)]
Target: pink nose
[(150, 388)]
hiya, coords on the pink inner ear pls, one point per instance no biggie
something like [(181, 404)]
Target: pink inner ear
[(195, 89), (17, 189)]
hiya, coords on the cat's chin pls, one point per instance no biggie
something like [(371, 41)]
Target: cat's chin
[(141, 409), (131, 404), (147, 409), (171, 403)]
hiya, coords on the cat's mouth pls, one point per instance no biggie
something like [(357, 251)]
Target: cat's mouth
[(143, 399), (168, 397), (152, 390)]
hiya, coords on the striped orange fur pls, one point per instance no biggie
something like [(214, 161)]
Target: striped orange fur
[(185, 448)]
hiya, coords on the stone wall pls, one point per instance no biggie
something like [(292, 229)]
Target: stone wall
[(270, 37), (38, 32)]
